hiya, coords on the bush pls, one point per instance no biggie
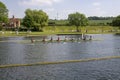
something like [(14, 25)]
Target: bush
[(1, 27)]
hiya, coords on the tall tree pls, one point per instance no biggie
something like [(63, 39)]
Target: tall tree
[(116, 21), (77, 19), (3, 13), (36, 19), (28, 19)]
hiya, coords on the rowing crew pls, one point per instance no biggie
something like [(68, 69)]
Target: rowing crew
[(85, 37)]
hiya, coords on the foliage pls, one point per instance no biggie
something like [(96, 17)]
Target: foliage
[(35, 19), (100, 22), (1, 27), (77, 19), (100, 18), (116, 21), (28, 22), (63, 22), (90, 29), (3, 13)]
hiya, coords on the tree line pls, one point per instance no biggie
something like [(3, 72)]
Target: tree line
[(37, 19), (100, 18)]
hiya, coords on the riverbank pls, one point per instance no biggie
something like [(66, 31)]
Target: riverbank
[(13, 34), (117, 33), (63, 30)]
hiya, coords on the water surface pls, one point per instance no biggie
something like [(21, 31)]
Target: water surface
[(19, 50)]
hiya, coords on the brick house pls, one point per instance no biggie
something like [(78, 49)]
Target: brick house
[(14, 22)]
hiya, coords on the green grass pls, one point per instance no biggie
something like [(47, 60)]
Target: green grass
[(99, 21), (71, 29), (50, 30)]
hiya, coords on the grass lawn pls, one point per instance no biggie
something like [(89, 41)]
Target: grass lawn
[(52, 30)]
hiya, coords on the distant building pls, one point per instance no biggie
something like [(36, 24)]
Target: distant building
[(14, 22)]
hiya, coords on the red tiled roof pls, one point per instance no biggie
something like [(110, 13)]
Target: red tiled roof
[(14, 19)]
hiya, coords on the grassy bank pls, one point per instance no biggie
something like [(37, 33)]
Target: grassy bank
[(88, 29), (51, 30)]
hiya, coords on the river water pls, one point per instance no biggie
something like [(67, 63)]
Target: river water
[(20, 50)]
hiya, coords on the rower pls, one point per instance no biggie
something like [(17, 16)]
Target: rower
[(32, 41), (51, 39), (72, 39), (84, 37), (58, 39), (43, 39), (65, 39), (90, 38)]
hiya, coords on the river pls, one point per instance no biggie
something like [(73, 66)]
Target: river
[(20, 50)]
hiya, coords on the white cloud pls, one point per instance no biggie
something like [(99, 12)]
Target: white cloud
[(49, 9), (19, 15), (97, 11), (63, 14), (39, 2), (96, 4), (10, 14)]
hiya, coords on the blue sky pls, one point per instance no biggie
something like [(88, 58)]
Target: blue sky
[(64, 7)]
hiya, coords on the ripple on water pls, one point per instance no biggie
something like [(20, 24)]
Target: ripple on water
[(11, 53), (96, 70)]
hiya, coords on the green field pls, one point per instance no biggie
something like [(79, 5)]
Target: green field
[(49, 30), (90, 22), (90, 29)]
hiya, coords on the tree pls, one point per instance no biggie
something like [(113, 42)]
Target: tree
[(116, 21), (77, 19), (36, 19), (3, 14)]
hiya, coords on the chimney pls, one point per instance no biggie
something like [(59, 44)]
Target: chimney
[(13, 17)]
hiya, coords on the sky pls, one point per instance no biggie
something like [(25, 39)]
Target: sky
[(59, 9)]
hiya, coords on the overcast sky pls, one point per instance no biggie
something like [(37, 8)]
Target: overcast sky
[(62, 8)]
